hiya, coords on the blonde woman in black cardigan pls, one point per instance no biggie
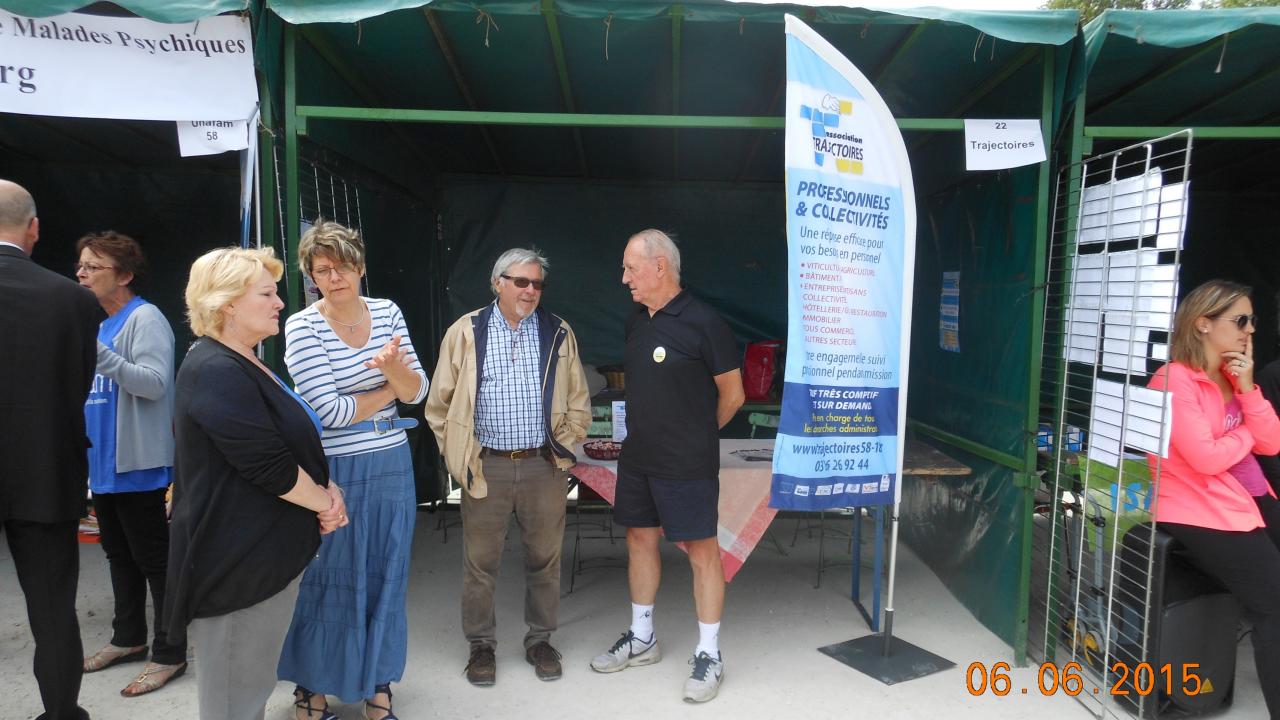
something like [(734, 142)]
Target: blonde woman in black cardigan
[(252, 493)]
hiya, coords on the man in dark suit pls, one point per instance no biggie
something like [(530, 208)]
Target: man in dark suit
[(48, 355)]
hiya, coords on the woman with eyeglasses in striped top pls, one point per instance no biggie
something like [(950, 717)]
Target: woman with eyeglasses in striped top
[(352, 359)]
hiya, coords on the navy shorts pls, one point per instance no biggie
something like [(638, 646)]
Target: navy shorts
[(685, 508)]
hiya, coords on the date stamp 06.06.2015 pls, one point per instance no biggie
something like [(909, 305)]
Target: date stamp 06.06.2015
[(1141, 679)]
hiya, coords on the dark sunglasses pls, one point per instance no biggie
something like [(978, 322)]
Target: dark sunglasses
[(524, 282), (1241, 321)]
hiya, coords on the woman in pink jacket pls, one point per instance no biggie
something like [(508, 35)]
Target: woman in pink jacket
[(1212, 496)]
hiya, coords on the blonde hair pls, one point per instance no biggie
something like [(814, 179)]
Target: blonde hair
[(333, 239), (1209, 300), (220, 276)]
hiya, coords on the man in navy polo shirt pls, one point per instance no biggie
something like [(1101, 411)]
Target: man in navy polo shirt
[(683, 384)]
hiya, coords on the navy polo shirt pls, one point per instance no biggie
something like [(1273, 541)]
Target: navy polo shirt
[(671, 361)]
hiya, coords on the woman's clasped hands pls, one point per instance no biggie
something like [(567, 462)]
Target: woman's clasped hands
[(336, 516)]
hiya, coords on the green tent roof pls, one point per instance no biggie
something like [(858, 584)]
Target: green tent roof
[(1041, 27), (643, 57), (1184, 67)]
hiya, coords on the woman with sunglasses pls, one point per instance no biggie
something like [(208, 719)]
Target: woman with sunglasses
[(352, 359), (1212, 495)]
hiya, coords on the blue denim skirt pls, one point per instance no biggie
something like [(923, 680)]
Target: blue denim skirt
[(349, 631)]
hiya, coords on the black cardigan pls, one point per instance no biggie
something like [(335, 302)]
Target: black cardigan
[(240, 439)]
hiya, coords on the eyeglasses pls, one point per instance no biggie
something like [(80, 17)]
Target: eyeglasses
[(524, 282), (91, 268), (342, 269), (1241, 321)]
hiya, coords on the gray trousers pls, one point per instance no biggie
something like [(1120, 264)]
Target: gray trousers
[(236, 656), (533, 489)]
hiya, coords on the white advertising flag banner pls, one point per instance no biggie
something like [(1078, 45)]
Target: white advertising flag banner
[(210, 137), (1000, 144), (77, 65), (851, 236)]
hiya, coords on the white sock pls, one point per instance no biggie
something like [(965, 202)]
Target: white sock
[(708, 639), (642, 622)]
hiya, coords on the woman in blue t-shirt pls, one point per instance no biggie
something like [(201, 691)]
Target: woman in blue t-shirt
[(129, 415)]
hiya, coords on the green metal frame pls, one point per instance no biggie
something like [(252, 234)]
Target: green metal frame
[(1082, 136), (297, 118), (909, 38), (1201, 132), (294, 126), (677, 27), (451, 59), (330, 54), (307, 113), (562, 70), (1029, 478), (957, 441), (267, 191)]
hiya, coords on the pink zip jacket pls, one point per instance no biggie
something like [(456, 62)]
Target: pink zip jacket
[(1194, 487)]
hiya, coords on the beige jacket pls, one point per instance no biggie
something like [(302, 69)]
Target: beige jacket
[(451, 401)]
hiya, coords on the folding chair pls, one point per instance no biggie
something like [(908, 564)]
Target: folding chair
[(590, 501)]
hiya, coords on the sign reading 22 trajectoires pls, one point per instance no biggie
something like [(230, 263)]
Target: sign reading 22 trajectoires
[(851, 251)]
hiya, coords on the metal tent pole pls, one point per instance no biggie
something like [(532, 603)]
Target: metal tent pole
[(893, 576)]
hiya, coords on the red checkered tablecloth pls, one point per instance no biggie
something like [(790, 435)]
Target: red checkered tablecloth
[(744, 496)]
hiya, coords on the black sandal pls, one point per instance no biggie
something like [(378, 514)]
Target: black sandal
[(383, 688), (304, 703)]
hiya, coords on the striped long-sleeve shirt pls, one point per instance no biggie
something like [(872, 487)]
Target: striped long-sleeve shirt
[(327, 372)]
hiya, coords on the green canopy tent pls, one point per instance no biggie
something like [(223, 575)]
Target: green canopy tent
[(1218, 73), (1150, 75), (477, 126), (570, 125)]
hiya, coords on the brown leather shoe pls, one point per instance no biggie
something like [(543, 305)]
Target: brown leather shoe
[(482, 668), (545, 661)]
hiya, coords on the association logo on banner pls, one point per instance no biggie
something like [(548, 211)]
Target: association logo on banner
[(842, 149), (851, 251)]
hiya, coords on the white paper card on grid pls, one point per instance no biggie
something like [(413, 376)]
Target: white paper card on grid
[(210, 137), (619, 420), (1000, 144)]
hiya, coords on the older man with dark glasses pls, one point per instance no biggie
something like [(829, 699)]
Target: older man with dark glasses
[(507, 403)]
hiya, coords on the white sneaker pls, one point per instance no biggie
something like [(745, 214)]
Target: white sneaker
[(704, 681), (629, 650)]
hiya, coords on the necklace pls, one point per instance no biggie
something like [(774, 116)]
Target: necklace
[(351, 327), (245, 351)]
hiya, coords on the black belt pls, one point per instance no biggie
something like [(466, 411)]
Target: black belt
[(515, 454)]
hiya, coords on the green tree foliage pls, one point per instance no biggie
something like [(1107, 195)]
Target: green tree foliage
[(1213, 4), (1090, 9)]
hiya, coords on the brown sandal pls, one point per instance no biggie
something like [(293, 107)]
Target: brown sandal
[(114, 655), (153, 677)]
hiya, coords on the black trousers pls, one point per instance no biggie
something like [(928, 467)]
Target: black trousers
[(1247, 564), (47, 558), (1270, 509), (135, 537)]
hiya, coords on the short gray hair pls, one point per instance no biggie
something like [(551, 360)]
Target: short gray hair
[(17, 207), (660, 244), (517, 256)]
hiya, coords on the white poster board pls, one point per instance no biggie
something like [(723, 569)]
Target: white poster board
[(76, 65), (1000, 144), (210, 137)]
